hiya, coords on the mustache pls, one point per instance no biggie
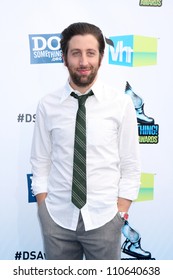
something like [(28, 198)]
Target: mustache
[(84, 68)]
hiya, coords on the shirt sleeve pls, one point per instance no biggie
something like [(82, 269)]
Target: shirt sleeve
[(130, 167), (40, 153)]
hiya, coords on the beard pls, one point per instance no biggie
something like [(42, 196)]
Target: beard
[(83, 80)]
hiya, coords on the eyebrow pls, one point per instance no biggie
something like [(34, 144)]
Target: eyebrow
[(76, 49)]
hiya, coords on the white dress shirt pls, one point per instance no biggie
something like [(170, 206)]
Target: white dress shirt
[(113, 164)]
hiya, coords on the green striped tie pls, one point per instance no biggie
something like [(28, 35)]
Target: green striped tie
[(79, 184)]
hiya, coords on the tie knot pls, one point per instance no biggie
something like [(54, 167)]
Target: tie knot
[(82, 98)]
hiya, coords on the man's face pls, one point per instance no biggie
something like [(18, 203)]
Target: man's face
[(83, 61)]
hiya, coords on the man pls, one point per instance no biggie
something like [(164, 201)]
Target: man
[(104, 172)]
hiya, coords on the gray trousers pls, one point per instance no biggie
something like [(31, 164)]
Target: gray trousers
[(103, 243)]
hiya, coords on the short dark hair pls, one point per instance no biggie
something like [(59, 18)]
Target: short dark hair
[(81, 28)]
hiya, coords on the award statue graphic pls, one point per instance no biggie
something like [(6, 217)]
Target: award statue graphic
[(132, 244)]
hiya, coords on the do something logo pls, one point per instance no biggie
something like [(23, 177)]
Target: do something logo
[(45, 48)]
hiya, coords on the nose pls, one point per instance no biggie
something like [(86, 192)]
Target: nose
[(83, 60)]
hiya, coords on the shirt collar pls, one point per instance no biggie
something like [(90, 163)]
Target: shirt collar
[(97, 89)]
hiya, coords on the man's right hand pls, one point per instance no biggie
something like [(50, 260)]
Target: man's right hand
[(40, 197)]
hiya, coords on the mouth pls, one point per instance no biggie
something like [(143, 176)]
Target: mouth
[(83, 71)]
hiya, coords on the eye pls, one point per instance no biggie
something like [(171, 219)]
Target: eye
[(91, 53), (76, 53)]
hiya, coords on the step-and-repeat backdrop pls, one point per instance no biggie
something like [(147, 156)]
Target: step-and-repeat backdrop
[(138, 62)]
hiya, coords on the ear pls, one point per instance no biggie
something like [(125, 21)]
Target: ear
[(100, 59), (64, 60)]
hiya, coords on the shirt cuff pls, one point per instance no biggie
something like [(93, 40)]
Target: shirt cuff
[(39, 185), (129, 191)]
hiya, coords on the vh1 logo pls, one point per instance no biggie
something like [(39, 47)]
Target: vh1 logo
[(133, 50), (45, 48)]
